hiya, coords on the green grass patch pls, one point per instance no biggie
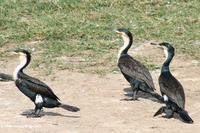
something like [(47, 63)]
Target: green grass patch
[(83, 29)]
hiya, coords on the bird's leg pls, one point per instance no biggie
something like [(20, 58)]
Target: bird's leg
[(135, 89), (134, 86), (169, 112), (31, 114), (36, 113), (38, 106), (134, 94)]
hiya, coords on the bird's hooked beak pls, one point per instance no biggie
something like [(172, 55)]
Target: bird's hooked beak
[(12, 52), (158, 45), (162, 47), (118, 32), (161, 44)]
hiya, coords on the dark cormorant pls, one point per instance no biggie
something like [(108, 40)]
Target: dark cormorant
[(134, 72), (37, 91), (171, 90), (6, 77)]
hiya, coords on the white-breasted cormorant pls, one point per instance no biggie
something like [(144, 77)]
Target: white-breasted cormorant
[(37, 91), (171, 89), (134, 72)]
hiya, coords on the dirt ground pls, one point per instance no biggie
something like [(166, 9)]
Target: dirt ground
[(100, 101)]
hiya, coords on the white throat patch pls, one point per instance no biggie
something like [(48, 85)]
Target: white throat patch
[(38, 99), (166, 53), (23, 61), (126, 43)]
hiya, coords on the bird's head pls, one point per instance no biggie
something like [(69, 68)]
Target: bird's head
[(167, 48), (22, 53), (125, 33)]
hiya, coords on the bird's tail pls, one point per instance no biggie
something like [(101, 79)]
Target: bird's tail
[(160, 111), (6, 77), (156, 95), (69, 107), (159, 97), (184, 116)]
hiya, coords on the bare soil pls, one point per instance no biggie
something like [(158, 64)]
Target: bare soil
[(100, 101)]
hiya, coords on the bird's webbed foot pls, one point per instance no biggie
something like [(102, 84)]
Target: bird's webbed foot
[(30, 114), (167, 116), (169, 113), (34, 114), (135, 88), (133, 97)]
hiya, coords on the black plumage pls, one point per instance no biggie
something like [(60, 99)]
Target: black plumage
[(171, 89), (36, 90), (134, 72), (36, 86)]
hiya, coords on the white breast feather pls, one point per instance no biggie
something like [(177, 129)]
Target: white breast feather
[(38, 99), (165, 98)]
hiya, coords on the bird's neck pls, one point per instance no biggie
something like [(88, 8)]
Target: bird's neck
[(165, 66), (124, 49), (20, 67)]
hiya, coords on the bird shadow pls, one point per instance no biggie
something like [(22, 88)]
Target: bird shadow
[(43, 113), (175, 116), (5, 77), (129, 93)]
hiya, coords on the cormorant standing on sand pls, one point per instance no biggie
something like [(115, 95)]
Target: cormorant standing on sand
[(37, 91)]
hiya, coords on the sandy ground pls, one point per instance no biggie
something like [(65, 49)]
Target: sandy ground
[(100, 101)]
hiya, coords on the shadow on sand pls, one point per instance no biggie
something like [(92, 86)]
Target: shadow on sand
[(129, 92), (42, 113)]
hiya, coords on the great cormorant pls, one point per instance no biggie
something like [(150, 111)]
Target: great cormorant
[(134, 72), (37, 91), (171, 89)]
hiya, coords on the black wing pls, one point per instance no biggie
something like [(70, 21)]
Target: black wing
[(171, 87), (132, 68), (37, 86), (25, 89)]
